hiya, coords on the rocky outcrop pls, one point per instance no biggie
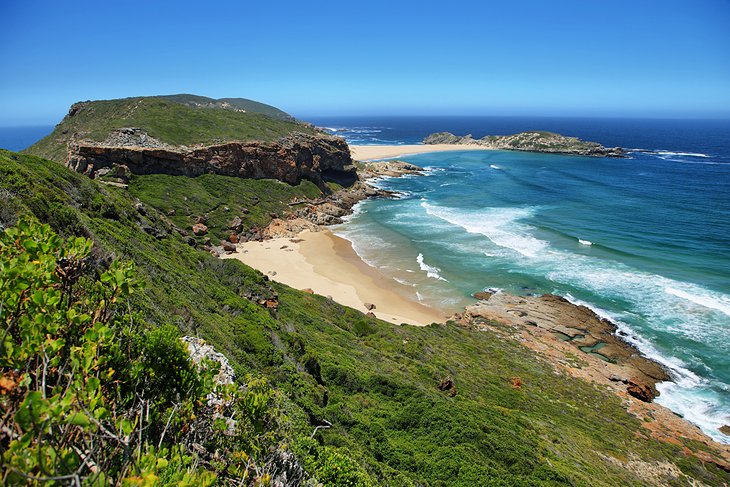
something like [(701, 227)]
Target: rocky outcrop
[(556, 319), (533, 141), (388, 168), (299, 156)]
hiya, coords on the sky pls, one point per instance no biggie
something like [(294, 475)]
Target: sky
[(617, 58)]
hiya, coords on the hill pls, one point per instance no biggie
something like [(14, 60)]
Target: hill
[(372, 385), (176, 120)]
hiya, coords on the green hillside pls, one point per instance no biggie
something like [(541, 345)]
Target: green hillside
[(197, 101), (375, 383), (175, 120)]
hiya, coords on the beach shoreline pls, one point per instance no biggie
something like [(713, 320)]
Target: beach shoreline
[(374, 152), (328, 265)]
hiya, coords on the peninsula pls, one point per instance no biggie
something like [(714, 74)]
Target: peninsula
[(208, 224), (532, 141)]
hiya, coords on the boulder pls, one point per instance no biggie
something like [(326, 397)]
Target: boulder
[(228, 246), (641, 392), (236, 224), (200, 229)]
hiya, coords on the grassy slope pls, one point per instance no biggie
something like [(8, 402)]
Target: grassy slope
[(374, 381), (219, 198), (241, 103), (168, 121)]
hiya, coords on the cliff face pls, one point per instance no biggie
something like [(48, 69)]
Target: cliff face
[(530, 142), (290, 159)]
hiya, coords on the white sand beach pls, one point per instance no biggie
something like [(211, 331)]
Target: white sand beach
[(370, 152), (327, 264)]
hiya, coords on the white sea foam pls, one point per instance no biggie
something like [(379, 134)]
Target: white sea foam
[(404, 282), (500, 225), (713, 302), (585, 242), (672, 153), (432, 272)]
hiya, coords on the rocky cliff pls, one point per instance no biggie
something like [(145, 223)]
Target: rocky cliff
[(535, 141), (290, 159)]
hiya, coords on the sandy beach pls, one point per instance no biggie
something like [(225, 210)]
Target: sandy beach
[(327, 264), (370, 152)]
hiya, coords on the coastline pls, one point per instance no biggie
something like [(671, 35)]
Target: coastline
[(373, 152), (327, 265), (312, 258)]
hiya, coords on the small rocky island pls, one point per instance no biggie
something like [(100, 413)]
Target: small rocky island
[(533, 141)]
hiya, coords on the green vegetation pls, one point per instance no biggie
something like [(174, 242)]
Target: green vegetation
[(229, 103), (313, 362), (219, 199), (166, 119)]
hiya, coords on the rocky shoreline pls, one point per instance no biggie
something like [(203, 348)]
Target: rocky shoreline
[(532, 141), (573, 338)]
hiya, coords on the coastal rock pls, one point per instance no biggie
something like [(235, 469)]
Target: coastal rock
[(236, 224), (299, 156), (642, 392), (199, 351), (200, 229), (532, 141), (228, 246), (389, 168), (558, 319)]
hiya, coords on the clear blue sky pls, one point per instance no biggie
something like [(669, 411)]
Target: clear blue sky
[(650, 58)]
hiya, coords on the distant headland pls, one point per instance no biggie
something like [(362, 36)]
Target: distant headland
[(532, 141)]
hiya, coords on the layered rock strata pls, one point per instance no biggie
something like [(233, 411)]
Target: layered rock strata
[(290, 159)]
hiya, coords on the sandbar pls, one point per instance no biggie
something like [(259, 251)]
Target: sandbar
[(372, 152)]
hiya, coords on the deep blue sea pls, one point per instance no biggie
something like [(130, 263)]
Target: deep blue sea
[(18, 138), (643, 240)]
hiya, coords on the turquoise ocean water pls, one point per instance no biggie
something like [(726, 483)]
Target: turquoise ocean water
[(644, 241)]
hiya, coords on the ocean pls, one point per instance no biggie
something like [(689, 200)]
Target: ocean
[(644, 241), (19, 138)]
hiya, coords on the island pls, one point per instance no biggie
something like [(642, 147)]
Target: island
[(531, 141)]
